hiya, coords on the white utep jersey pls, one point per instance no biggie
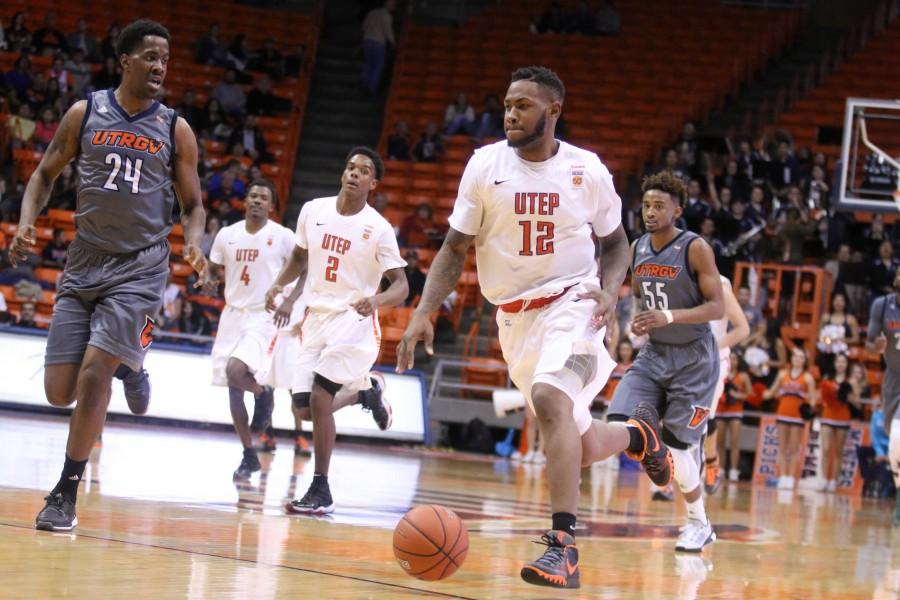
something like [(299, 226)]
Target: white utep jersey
[(347, 254), (532, 222), (252, 261), (720, 326)]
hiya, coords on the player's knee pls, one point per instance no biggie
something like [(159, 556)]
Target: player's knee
[(549, 408), (59, 393), (92, 378), (235, 372)]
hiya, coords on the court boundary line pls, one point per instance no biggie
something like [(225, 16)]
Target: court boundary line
[(247, 560)]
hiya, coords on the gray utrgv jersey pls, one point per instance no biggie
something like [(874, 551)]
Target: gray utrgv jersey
[(125, 175), (665, 282)]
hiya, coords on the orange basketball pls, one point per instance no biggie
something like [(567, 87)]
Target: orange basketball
[(431, 542)]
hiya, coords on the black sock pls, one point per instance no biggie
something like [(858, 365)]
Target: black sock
[(250, 453), (636, 443), (320, 478), (73, 471), (122, 371), (563, 521)]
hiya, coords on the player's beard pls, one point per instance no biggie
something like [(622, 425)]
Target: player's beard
[(531, 137)]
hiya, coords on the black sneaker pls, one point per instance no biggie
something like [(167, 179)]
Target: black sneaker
[(262, 410), (137, 391), (58, 514), (249, 465), (558, 567), (373, 400), (266, 443), (316, 501), (656, 458)]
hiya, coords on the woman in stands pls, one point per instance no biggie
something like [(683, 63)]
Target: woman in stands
[(795, 390), (837, 394), (838, 332), (730, 414)]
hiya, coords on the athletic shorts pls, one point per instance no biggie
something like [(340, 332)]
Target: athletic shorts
[(556, 345), (724, 369), (286, 352), (246, 335), (679, 380), (890, 396), (340, 346), (108, 301)]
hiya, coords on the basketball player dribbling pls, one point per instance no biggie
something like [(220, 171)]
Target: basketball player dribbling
[(134, 156), (530, 204), (250, 254), (344, 247), (675, 277)]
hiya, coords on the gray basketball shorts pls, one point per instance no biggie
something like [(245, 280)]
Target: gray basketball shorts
[(890, 397), (680, 380), (108, 301)]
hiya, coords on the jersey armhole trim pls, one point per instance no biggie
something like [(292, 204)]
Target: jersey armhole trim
[(172, 137), (87, 114), (687, 258)]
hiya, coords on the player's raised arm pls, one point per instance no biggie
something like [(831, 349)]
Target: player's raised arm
[(187, 189), (441, 280), (62, 149)]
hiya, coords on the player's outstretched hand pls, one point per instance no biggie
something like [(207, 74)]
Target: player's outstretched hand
[(283, 312), (419, 328), (193, 256), (645, 321), (880, 344), (271, 294), (22, 244), (605, 311), (366, 306)]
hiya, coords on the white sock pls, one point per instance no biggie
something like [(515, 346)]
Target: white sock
[(696, 510)]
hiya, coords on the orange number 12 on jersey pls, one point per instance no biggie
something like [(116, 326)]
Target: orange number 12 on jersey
[(331, 270), (543, 243)]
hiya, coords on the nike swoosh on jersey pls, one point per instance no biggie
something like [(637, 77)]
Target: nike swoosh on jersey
[(498, 182), (320, 224)]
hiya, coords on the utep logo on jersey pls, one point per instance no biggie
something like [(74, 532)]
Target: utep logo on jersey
[(126, 139), (367, 231), (577, 175), (654, 270), (269, 241), (698, 417)]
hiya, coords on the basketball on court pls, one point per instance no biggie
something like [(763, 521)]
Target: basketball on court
[(431, 542)]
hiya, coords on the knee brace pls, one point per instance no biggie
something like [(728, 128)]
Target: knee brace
[(326, 384), (687, 471)]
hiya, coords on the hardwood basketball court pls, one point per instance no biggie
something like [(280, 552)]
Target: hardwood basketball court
[(159, 517)]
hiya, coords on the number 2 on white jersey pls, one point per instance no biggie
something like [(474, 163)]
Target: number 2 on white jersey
[(656, 299), (131, 175)]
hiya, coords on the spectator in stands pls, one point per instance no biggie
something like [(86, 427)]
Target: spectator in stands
[(79, 73), (490, 122), (797, 231), (230, 94), (378, 32), (817, 190), (20, 77), (221, 199), (750, 161), (214, 123), (108, 76), (21, 127), (734, 179), (233, 169), (838, 330), (609, 21), (56, 98), (251, 137), (398, 142), (553, 20), (262, 101), (430, 147), (414, 276), (757, 210), (18, 38), (193, 321), (687, 141), (419, 229), (707, 231), (82, 39), (108, 44), (295, 62), (213, 225), (783, 171), (754, 318), (56, 251), (696, 208), (64, 190), (881, 273), (875, 234), (459, 118), (672, 163), (26, 316), (188, 109), (45, 129), (48, 40), (211, 51), (237, 57), (172, 301), (269, 60)]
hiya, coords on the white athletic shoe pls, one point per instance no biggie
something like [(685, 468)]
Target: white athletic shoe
[(695, 536), (734, 475), (529, 457), (539, 458), (785, 483), (831, 486)]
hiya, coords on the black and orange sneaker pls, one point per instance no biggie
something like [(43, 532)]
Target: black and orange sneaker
[(712, 480), (301, 446), (558, 567), (266, 443), (656, 458)]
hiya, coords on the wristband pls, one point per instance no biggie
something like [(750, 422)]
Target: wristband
[(669, 317)]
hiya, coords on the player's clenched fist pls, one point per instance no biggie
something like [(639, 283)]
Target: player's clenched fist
[(22, 244), (645, 321), (271, 295), (419, 328)]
